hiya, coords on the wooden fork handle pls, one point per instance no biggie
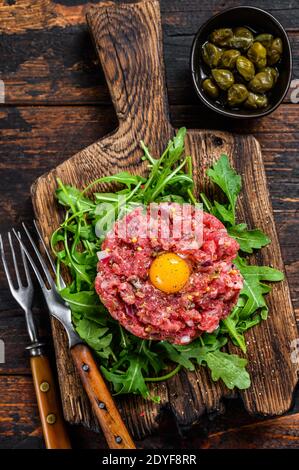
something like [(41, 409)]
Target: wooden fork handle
[(50, 411), (113, 427)]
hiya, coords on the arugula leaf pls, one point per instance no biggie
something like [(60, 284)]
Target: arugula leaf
[(254, 289), (166, 178), (137, 365), (233, 332), (92, 333), (176, 147), (84, 301), (263, 273), (70, 196), (227, 179), (95, 336), (181, 358), (109, 197), (164, 173), (153, 357), (196, 350), (248, 239), (223, 213), (230, 368), (246, 324), (123, 178), (130, 381)]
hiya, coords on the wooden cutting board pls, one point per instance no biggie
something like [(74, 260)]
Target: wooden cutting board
[(128, 39)]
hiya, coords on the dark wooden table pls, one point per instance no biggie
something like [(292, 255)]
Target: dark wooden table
[(56, 103)]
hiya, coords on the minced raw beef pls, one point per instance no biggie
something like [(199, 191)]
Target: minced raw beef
[(209, 295)]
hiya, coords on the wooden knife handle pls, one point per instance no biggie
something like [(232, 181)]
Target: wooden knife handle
[(48, 401), (114, 429), (128, 39)]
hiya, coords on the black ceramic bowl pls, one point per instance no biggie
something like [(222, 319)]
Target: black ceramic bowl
[(260, 21)]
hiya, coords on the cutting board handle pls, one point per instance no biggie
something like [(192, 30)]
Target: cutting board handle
[(128, 39)]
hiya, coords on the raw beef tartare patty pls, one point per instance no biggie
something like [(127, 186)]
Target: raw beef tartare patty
[(126, 289)]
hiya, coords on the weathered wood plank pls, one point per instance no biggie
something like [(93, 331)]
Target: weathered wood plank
[(36, 131), (36, 15), (236, 430), (42, 137), (18, 410), (276, 433), (14, 334), (20, 426), (128, 26), (53, 44), (184, 18)]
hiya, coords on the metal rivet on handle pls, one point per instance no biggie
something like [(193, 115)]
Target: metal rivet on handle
[(44, 387), (51, 418), (118, 439), (85, 367)]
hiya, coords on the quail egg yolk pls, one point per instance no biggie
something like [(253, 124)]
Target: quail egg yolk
[(169, 273)]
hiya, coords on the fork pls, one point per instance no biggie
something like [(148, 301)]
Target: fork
[(104, 408), (50, 411)]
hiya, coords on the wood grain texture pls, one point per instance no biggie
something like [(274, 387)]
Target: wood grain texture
[(20, 426), (57, 66), (129, 67), (47, 55), (48, 399), (34, 15), (102, 403)]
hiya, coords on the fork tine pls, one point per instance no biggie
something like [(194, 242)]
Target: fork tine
[(19, 282), (62, 283), (7, 273), (33, 265), (40, 258), (25, 264)]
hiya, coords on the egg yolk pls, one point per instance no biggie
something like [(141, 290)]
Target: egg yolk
[(169, 273)]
